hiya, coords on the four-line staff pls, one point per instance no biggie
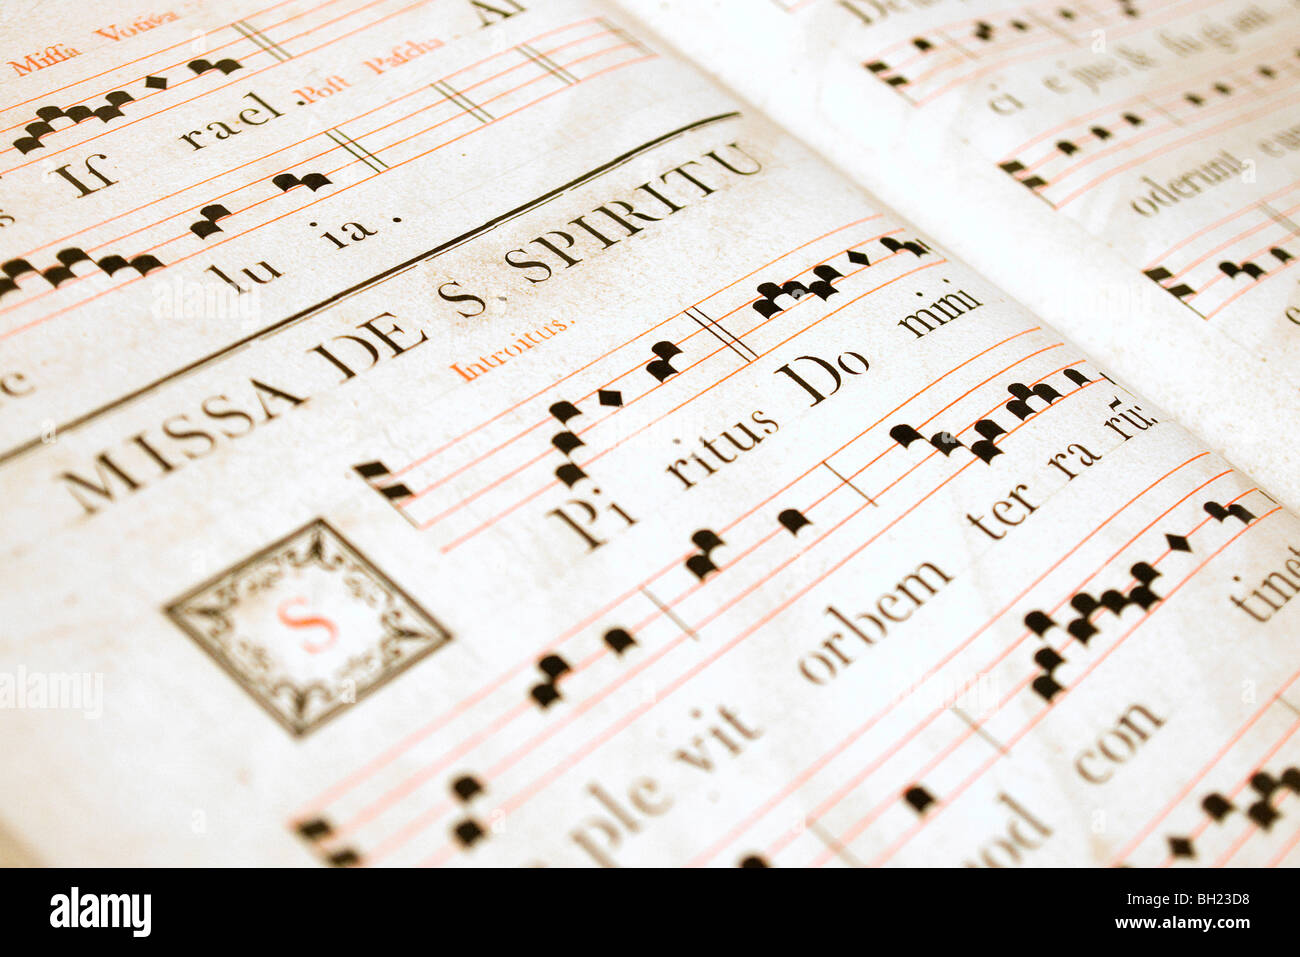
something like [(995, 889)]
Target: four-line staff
[(845, 788), (1156, 115), (29, 299), (919, 67), (391, 161), (1232, 256), (349, 784), (428, 816), (238, 77), (220, 354), (415, 491), (735, 579), (663, 692), (441, 855)]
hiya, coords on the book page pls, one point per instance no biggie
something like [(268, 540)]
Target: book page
[(463, 434), (1127, 169)]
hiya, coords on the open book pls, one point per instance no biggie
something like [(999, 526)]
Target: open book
[(560, 432)]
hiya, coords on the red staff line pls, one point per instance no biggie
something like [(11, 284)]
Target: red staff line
[(1030, 40), (429, 815), (891, 447), (1196, 528), (514, 89), (117, 66), (1167, 122), (1033, 166), (1033, 722), (461, 503), (257, 159), (944, 63), (506, 762), (1215, 225), (1205, 769), (888, 449), (1132, 581), (826, 495), (917, 56), (1006, 651), (487, 454), (1000, 49), (851, 833), (238, 79), (460, 114), (942, 59), (1019, 41), (239, 37), (1245, 289), (975, 74), (1181, 85), (1233, 240), (455, 543), (159, 245), (331, 195), (751, 549), (781, 843), (1200, 134), (954, 25), (1286, 849), (1251, 827), (333, 149), (426, 817), (349, 782), (836, 797), (442, 448), (352, 780), (1176, 102), (524, 795), (352, 161), (1198, 114)]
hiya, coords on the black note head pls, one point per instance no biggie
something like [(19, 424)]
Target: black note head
[(554, 666), (793, 520), (1039, 622), (619, 640), (315, 829), (468, 832), (918, 797), (466, 787)]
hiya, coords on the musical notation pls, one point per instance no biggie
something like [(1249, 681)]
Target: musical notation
[(793, 520), (316, 832), (55, 275), (988, 430), (553, 667), (649, 418), (110, 110), (701, 565), (662, 367), (468, 831)]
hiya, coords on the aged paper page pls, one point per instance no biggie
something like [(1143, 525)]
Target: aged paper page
[(450, 433), (1127, 169)]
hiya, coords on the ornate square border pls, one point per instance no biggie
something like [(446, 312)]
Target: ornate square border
[(403, 632)]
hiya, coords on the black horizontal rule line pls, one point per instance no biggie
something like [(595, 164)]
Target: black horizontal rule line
[(279, 325)]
